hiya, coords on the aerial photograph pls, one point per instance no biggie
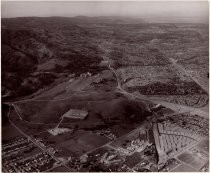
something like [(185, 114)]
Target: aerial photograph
[(104, 86)]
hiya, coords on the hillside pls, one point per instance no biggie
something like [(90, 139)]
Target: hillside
[(41, 52), (32, 46), (38, 45)]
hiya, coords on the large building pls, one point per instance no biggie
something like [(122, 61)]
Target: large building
[(76, 114)]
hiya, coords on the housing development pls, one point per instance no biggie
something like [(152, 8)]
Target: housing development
[(104, 94)]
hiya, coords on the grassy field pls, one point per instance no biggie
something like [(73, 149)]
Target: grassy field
[(83, 142), (9, 133), (102, 107), (74, 144), (59, 169)]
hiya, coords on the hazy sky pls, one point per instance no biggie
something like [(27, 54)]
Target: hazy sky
[(194, 10)]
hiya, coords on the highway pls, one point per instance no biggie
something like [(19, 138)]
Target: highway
[(173, 106), (182, 70)]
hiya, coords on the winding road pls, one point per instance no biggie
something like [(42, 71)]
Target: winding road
[(173, 106)]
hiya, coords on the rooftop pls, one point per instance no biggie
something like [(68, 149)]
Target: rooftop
[(76, 114)]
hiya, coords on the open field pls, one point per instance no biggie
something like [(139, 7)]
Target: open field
[(9, 132), (184, 168), (102, 81), (83, 142), (74, 144), (59, 169), (101, 107), (103, 94)]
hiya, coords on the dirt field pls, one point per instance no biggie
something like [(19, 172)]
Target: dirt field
[(83, 143), (184, 168)]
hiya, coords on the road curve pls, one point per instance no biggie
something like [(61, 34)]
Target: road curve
[(173, 106)]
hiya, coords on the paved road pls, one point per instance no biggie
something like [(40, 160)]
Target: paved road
[(40, 100), (17, 111), (39, 123), (173, 106), (35, 143), (182, 108), (182, 70), (121, 90)]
